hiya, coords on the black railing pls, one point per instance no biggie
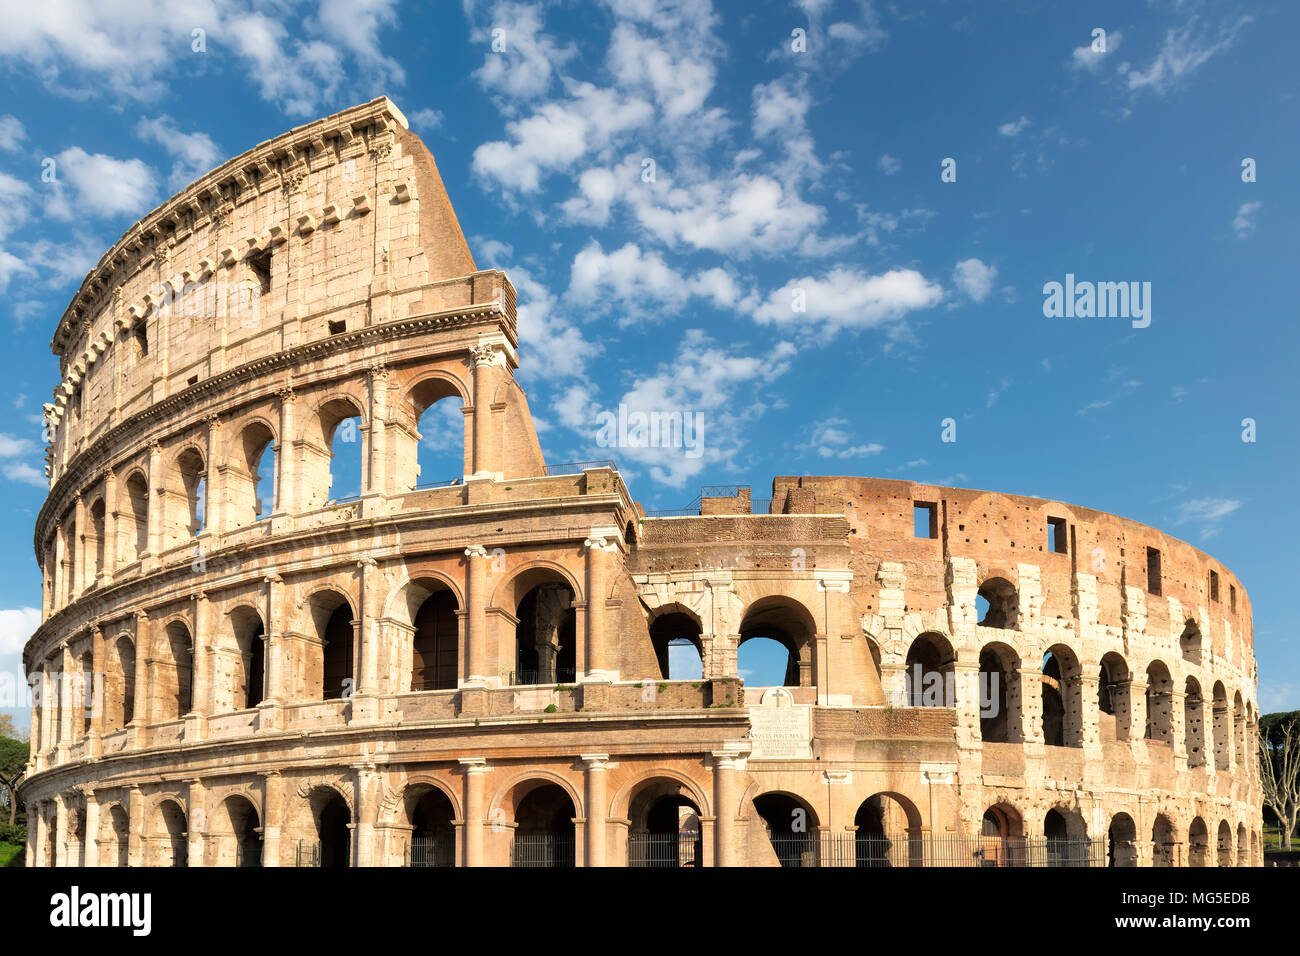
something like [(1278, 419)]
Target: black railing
[(578, 467), (445, 483), (308, 854), (426, 850), (529, 676), (545, 850), (664, 850), (858, 850)]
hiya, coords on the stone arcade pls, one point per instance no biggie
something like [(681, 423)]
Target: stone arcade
[(238, 664)]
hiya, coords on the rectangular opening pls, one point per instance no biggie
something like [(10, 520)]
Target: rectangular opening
[(260, 265), (337, 326), (1056, 536), (1153, 571), (925, 519), (1214, 586), (1232, 598)]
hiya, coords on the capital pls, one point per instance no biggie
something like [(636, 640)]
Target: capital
[(476, 551)]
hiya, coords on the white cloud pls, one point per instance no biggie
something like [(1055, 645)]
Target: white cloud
[(12, 133), (527, 61), (1207, 511), (1244, 222), (193, 153), (641, 284), (24, 474), (974, 278), (848, 298), (831, 439), (552, 347), (425, 119), (16, 626), (1016, 127), (1184, 50), (889, 165), (1086, 58), (11, 447), (14, 209), (103, 186)]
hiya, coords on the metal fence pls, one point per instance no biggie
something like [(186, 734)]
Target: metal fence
[(249, 853), (308, 854), (545, 850), (857, 850), (578, 467), (664, 850), (431, 851)]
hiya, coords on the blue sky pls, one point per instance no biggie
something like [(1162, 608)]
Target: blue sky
[(665, 181)]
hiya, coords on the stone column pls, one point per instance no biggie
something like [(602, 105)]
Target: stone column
[(598, 559), (272, 816), (597, 765), (1031, 701), (80, 565), (367, 814), (135, 842), (286, 501), (40, 833), (110, 526), (725, 765), (98, 668), (966, 691), (275, 643), (475, 769), (91, 845), (484, 357), (69, 705), (214, 482), (201, 688), (1089, 710), (153, 540), (196, 823), (143, 651), (49, 709), (476, 561), (369, 682), (61, 832), (377, 478)]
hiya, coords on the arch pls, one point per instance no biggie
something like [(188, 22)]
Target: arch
[(1163, 843), (1224, 853), (1121, 841), (406, 596), (517, 786), (332, 818), (431, 815), (542, 601), (1189, 642), (1001, 712), (543, 815), (664, 817), (135, 531), (173, 673), (1000, 604), (661, 780), (1243, 846), (789, 623), (238, 832), (171, 832), (183, 505), (249, 686), (1159, 701), (1198, 843), (252, 477), (1002, 836), (98, 542), (1222, 718), (930, 680), (791, 826), (671, 630), (1066, 838), (1114, 704), (1194, 723), (1239, 729), (887, 832), (333, 451), (119, 684), (527, 576), (1062, 689), (114, 843), (333, 660), (86, 688), (1255, 857), (435, 644), (440, 432)]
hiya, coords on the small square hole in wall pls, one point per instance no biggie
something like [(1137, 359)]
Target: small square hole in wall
[(1153, 571), (1214, 586), (337, 326), (1232, 598), (925, 519), (192, 380), (1056, 535)]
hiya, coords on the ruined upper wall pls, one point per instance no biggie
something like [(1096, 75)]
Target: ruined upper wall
[(1001, 531), (290, 242)]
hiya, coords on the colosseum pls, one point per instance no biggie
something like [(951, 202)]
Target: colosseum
[(238, 664)]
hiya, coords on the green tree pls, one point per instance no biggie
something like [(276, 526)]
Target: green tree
[(1279, 769)]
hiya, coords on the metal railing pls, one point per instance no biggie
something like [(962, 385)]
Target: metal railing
[(249, 854), (857, 850), (430, 850), (544, 850), (308, 854), (578, 467), (530, 676), (664, 850), (444, 483), (311, 853)]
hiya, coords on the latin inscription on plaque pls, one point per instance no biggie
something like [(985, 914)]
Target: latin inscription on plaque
[(780, 728)]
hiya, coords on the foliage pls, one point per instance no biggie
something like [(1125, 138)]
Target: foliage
[(1279, 769)]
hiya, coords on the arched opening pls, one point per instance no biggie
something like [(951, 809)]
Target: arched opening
[(241, 844), (70, 555), (665, 827), (433, 830), (1066, 838), (791, 827), (119, 685), (1243, 846), (678, 650), (184, 510), (434, 661), (333, 827), (173, 673), (1002, 837), (1121, 841), (335, 627), (1198, 843), (87, 690), (136, 530), (252, 479), (1000, 706), (546, 632), (97, 513), (114, 848), (1159, 701), (1194, 724), (333, 454), (250, 675), (1189, 644), (775, 649), (1113, 702), (436, 412), (887, 833), (998, 604), (1222, 729), (172, 832), (1239, 727), (1062, 698), (1255, 857), (544, 832), (1224, 845), (930, 681), (1162, 842)]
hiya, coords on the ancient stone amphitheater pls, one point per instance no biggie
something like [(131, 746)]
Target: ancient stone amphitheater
[(238, 665)]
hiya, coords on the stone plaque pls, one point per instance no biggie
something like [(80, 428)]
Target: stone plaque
[(780, 728)]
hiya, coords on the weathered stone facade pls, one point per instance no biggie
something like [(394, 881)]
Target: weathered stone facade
[(475, 673)]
